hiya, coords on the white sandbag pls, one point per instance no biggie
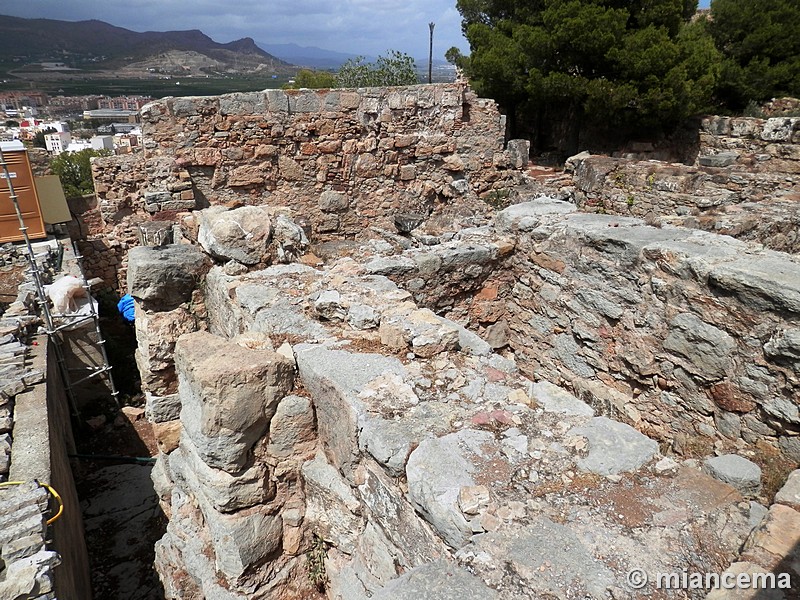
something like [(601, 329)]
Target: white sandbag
[(63, 293)]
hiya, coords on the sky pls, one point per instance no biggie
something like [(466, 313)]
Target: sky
[(369, 27)]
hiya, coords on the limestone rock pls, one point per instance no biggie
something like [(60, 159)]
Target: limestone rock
[(289, 240), (528, 215), (292, 426), (335, 378), (789, 494), (439, 580), (242, 234), (331, 201), (707, 348), (737, 471), (614, 447), (555, 399), (165, 277), (436, 472), (331, 506), (723, 159), (426, 333), (224, 491), (228, 394), (551, 560)]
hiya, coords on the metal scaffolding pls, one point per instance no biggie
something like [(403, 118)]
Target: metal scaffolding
[(55, 333)]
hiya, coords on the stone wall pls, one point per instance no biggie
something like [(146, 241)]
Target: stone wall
[(333, 433), (681, 333), (745, 183), (342, 160)]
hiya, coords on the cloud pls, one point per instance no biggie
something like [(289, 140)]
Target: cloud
[(356, 26)]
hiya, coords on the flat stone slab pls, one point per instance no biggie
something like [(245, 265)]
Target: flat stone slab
[(527, 215), (614, 447), (557, 400), (737, 471), (436, 472), (436, 581)]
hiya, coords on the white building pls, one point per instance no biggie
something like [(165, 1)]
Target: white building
[(57, 142), (102, 142)]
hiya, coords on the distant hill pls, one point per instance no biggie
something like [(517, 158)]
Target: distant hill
[(95, 45), (308, 56)]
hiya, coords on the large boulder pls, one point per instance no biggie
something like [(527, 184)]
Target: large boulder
[(165, 277), (242, 234), (228, 394)]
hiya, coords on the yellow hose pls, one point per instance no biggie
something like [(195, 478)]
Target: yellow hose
[(50, 489)]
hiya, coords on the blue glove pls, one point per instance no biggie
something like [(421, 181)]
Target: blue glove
[(126, 307)]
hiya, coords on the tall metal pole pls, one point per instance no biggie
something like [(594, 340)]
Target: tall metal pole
[(430, 54), (37, 279)]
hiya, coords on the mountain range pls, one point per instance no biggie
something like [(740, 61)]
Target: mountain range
[(96, 45)]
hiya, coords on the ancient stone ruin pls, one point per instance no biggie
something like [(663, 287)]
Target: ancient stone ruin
[(385, 359)]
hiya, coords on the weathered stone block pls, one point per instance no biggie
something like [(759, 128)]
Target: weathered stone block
[(165, 277), (228, 394), (242, 234)]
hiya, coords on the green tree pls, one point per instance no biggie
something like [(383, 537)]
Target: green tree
[(621, 65), (74, 169), (396, 68), (761, 44), (306, 78)]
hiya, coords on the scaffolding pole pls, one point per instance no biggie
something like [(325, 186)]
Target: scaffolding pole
[(54, 332)]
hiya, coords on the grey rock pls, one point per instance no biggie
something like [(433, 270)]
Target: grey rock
[(600, 303), (780, 129), (242, 539), (557, 400), (331, 201), (572, 571), (159, 409), (757, 514), (331, 505), (737, 471), (289, 240), (329, 305), (436, 472), (497, 335), (335, 378), (762, 282), (390, 265), (723, 159), (224, 491), (470, 342), (519, 153), (388, 508), (784, 343), (529, 215), (242, 234), (789, 494), (293, 424), (243, 103), (361, 317), (706, 348), (165, 277), (436, 581), (790, 446), (614, 447), (388, 442), (228, 394)]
